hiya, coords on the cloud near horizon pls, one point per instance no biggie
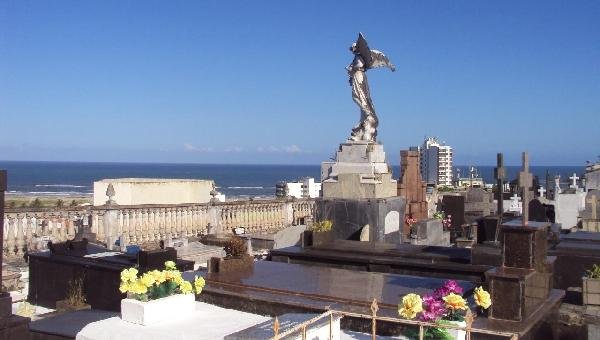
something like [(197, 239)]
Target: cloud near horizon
[(289, 149), (285, 149)]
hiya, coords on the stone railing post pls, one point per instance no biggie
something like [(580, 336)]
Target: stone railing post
[(110, 224), (214, 218)]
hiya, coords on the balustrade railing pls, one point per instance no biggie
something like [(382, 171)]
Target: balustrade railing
[(31, 229)]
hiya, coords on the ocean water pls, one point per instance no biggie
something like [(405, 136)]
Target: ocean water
[(235, 181)]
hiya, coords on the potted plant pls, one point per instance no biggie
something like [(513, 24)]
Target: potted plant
[(75, 299), (321, 232), (591, 286), (157, 296), (236, 256), (445, 306)]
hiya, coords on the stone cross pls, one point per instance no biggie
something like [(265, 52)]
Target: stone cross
[(500, 176), (525, 182), (541, 191), (593, 202), (574, 178)]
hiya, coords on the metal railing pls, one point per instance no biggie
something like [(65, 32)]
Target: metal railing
[(423, 325)]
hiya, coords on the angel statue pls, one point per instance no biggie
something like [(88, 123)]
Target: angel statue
[(364, 59)]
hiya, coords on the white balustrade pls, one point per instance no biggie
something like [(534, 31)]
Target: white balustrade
[(29, 231)]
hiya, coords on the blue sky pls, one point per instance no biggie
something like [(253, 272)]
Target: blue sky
[(264, 81)]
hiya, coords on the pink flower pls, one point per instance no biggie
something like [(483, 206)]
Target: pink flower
[(433, 308), (453, 287)]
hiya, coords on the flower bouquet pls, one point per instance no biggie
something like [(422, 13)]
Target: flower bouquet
[(445, 306), (157, 295)]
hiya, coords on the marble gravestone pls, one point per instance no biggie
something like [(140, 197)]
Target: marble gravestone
[(359, 191), (430, 232), (478, 203), (454, 206)]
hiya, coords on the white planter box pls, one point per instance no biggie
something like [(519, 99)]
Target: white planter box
[(148, 313), (591, 291)]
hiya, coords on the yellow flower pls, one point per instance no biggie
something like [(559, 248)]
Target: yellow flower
[(411, 305), (170, 265), (482, 298), (148, 280), (138, 287), (129, 275), (455, 302), (199, 284), (124, 287), (173, 275), (159, 276), (185, 287)]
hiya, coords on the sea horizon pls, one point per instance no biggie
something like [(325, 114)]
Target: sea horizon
[(236, 181)]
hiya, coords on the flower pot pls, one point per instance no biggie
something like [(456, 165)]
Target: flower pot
[(155, 311), (458, 334), (236, 264), (322, 237), (591, 291)]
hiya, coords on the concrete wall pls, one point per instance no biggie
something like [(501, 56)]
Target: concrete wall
[(567, 208), (133, 191)]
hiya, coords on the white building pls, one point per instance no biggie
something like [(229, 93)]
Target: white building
[(436, 162), (305, 188)]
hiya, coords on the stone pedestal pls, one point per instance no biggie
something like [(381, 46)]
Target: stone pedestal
[(383, 217), (523, 283), (358, 192), (360, 171)]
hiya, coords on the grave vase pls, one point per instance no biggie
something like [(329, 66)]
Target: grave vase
[(155, 311), (458, 334), (591, 291), (320, 238)]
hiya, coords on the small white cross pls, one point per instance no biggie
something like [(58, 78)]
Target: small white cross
[(541, 190), (574, 178)]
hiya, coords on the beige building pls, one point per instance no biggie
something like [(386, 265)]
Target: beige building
[(134, 191)]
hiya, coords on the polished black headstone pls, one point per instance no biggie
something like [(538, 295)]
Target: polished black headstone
[(537, 211), (454, 206)]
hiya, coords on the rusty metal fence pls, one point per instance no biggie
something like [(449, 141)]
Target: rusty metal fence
[(423, 325)]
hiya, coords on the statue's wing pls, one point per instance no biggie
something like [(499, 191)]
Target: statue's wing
[(363, 50), (380, 60)]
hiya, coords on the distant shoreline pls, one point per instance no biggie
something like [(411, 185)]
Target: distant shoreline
[(13, 200)]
